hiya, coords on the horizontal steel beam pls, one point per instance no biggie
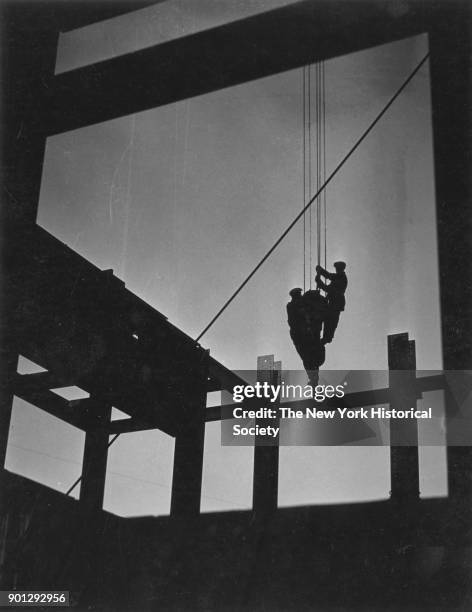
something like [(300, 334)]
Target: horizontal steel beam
[(121, 426), (41, 381), (252, 48), (54, 405)]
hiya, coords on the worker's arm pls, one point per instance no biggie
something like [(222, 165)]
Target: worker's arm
[(325, 273), (320, 284)]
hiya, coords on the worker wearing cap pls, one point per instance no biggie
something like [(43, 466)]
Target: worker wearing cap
[(297, 318), (306, 340), (335, 294)]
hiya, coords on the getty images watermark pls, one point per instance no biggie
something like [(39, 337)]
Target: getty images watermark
[(356, 408)]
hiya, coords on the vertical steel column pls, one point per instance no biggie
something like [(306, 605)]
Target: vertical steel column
[(266, 453), (8, 366), (404, 467), (94, 467), (28, 63), (189, 444), (451, 82)]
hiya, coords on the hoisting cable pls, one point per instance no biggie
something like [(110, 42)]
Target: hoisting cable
[(321, 230), (318, 178), (314, 168), (310, 185), (317, 134), (323, 87), (302, 212), (304, 172), (315, 145)]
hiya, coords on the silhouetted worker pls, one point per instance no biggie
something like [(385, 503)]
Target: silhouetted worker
[(335, 295), (316, 308), (297, 320), (305, 332)]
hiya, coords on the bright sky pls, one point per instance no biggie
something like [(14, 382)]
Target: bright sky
[(181, 201)]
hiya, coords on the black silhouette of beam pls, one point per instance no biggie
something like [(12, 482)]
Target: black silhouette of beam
[(121, 426), (94, 465), (265, 484), (404, 463), (53, 404), (189, 443), (8, 365), (252, 48), (451, 82), (41, 381)]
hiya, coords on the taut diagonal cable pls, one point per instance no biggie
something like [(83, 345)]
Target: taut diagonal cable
[(302, 212)]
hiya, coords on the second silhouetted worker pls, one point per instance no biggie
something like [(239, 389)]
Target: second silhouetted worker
[(335, 294)]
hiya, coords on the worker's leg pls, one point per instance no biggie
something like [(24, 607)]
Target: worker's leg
[(318, 354), (314, 358), (330, 325), (313, 367), (299, 344), (313, 377)]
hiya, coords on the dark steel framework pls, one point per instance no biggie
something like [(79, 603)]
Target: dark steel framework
[(62, 312)]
